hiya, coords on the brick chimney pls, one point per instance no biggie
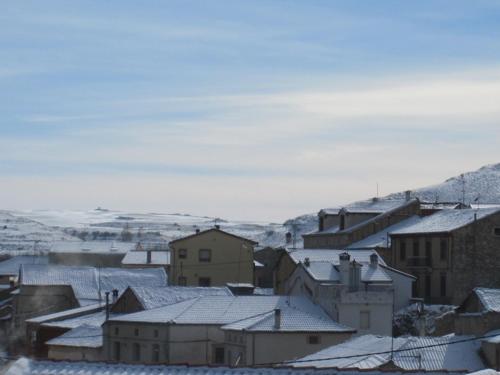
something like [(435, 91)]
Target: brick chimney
[(307, 262), (344, 260), (115, 295)]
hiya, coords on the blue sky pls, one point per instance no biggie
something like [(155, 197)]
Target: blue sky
[(242, 109)]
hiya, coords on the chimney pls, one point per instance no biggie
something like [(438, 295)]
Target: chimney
[(373, 260), (217, 226), (307, 263), (407, 195), (115, 295), (107, 305), (277, 319), (344, 260), (148, 257), (288, 238), (197, 230), (375, 199)]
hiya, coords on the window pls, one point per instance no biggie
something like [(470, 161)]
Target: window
[(416, 248), (313, 339), (136, 331), (117, 331), (182, 281), (205, 255), (342, 222), (183, 253), (428, 253), (136, 352), (364, 320), (428, 286), (156, 333), (155, 353), (204, 281), (219, 355), (443, 249), (496, 231), (443, 285), (402, 250), (117, 350)]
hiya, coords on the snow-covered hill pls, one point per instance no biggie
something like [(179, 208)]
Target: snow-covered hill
[(477, 187)]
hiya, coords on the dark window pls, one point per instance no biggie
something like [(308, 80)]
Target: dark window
[(402, 251), (117, 331), (313, 339), (155, 353), (427, 286), (156, 333), (183, 253), (136, 332), (205, 255), (204, 281), (496, 231), (219, 355), (117, 351), (416, 248), (182, 281), (443, 247), (136, 352), (428, 253), (342, 222), (443, 285)]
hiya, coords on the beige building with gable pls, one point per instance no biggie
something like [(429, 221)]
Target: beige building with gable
[(211, 258)]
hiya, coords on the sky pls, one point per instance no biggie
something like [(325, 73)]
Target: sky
[(252, 110)]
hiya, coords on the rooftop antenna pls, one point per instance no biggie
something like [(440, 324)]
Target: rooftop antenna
[(377, 189), (462, 180)]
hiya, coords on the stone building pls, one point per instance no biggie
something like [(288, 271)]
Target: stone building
[(450, 252), (211, 258), (340, 227)]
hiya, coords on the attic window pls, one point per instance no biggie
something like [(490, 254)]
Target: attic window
[(496, 231)]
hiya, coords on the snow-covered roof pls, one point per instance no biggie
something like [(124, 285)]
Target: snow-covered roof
[(331, 255), (25, 366), (292, 320), (89, 283), (493, 337), (67, 314), (490, 298), (92, 247), (382, 238), (160, 258), (327, 271), (10, 267), (223, 310), (93, 319), (375, 206), (151, 297), (446, 221), (216, 230), (410, 353), (84, 336)]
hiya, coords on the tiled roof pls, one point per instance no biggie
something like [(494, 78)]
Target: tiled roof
[(151, 297), (93, 320), (368, 206), (26, 366), (11, 266), (89, 283), (223, 310), (327, 271), (161, 258), (67, 314), (490, 298), (410, 353), (446, 220), (83, 336)]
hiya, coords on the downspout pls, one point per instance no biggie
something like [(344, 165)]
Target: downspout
[(253, 349)]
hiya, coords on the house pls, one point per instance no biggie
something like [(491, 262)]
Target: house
[(361, 293), (89, 253), (207, 330), (9, 268), (267, 257), (340, 227), (25, 366), (450, 252), (368, 352), (211, 258), (147, 259), (479, 313), (45, 289), (83, 343)]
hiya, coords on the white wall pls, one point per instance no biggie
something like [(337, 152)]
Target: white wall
[(402, 289)]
